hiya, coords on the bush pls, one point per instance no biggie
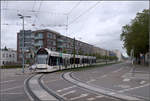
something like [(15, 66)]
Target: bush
[(10, 66)]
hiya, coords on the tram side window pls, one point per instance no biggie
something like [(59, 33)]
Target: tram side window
[(77, 60), (55, 61), (71, 60)]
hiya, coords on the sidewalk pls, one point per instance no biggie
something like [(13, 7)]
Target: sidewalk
[(141, 69), (14, 71), (138, 72)]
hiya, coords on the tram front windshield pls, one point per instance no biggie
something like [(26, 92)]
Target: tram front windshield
[(41, 59)]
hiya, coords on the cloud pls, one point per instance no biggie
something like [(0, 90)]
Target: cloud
[(100, 26)]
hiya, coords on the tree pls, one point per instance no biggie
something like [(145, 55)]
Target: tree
[(136, 34), (64, 51), (5, 48)]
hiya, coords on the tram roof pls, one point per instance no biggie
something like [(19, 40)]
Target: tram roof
[(58, 54)]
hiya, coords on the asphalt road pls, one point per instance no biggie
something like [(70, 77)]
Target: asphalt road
[(12, 85), (115, 78)]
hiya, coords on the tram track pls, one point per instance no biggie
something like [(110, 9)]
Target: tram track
[(50, 91), (28, 90), (32, 92), (81, 85)]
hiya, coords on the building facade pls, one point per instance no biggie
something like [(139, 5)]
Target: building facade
[(119, 55), (7, 56), (54, 41), (25, 46)]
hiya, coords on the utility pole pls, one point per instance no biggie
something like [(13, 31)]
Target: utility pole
[(23, 46), (74, 52)]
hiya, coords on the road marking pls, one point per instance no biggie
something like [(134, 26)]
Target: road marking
[(142, 82), (70, 92), (92, 80), (78, 97), (117, 70), (100, 90), (121, 91), (103, 76), (99, 96), (11, 88), (67, 88), (90, 99), (7, 81), (111, 93), (126, 80), (124, 86)]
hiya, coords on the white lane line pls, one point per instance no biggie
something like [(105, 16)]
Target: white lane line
[(117, 70), (90, 99), (78, 97), (92, 80), (70, 92), (142, 82), (99, 96), (7, 81), (126, 80), (11, 88), (123, 86), (121, 91), (67, 88), (103, 76)]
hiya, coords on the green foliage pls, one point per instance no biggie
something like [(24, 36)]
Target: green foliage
[(5, 48), (10, 66), (136, 34), (64, 51), (112, 58), (28, 61)]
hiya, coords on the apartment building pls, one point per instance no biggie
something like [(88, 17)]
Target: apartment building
[(25, 46), (54, 41)]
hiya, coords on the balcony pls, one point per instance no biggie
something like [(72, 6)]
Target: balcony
[(60, 40), (38, 37), (61, 46), (38, 44)]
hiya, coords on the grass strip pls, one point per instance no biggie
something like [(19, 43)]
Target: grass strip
[(88, 67), (10, 66)]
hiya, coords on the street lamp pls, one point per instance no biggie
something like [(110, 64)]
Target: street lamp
[(22, 17)]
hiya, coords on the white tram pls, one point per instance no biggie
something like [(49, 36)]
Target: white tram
[(47, 60)]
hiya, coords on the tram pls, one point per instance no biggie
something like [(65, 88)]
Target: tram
[(47, 60)]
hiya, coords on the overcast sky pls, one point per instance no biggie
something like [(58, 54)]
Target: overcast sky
[(96, 22)]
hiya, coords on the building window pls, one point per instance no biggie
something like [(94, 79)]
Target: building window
[(49, 35), (7, 55), (54, 43), (13, 55), (40, 35), (4, 55), (54, 36)]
